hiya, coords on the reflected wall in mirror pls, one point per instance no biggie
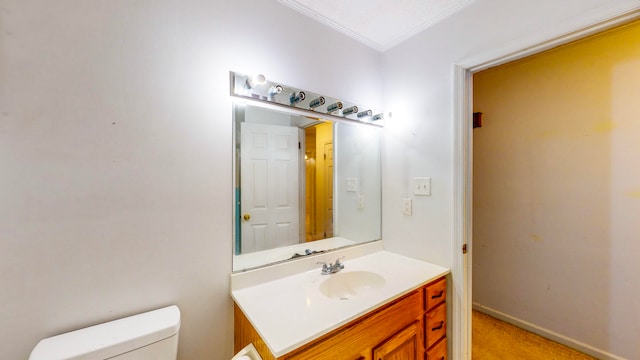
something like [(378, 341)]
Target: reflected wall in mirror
[(303, 185)]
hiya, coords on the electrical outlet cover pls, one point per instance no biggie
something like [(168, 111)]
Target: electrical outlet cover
[(360, 201), (406, 206)]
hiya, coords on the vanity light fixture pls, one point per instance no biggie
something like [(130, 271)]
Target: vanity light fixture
[(316, 102), (255, 80), (274, 90), (350, 110), (259, 88), (365, 113), (377, 117), (296, 98), (334, 107)]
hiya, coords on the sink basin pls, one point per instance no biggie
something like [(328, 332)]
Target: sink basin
[(346, 285)]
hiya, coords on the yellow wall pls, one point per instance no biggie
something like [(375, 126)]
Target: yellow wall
[(324, 134), (310, 182), (557, 190)]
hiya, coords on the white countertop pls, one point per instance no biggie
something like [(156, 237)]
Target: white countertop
[(291, 311)]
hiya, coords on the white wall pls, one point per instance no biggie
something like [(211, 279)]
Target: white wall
[(418, 89), (116, 153)]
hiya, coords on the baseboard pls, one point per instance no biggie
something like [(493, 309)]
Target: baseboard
[(548, 334)]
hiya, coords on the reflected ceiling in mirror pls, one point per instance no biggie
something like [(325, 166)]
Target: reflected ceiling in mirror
[(302, 184)]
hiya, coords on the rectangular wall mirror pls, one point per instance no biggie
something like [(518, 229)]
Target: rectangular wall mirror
[(302, 185)]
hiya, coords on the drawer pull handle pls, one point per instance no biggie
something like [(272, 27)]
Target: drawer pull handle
[(439, 295), (438, 327)]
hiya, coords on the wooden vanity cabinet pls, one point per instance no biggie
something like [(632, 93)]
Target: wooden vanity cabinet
[(411, 327)]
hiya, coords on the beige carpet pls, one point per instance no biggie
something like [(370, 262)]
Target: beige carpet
[(495, 339)]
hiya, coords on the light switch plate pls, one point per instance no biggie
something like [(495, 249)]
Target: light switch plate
[(352, 184), (422, 186)]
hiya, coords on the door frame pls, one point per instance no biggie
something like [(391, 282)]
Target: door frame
[(328, 179), (610, 16)]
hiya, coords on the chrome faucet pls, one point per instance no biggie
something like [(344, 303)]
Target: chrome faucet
[(331, 268)]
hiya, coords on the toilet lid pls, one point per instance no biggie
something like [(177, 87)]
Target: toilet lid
[(111, 338)]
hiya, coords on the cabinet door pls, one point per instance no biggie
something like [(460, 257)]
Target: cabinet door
[(404, 345)]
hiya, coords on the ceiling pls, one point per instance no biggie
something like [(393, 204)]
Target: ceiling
[(380, 24)]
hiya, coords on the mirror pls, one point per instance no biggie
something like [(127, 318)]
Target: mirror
[(303, 185)]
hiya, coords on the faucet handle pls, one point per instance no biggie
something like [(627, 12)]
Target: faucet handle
[(325, 266), (338, 264)]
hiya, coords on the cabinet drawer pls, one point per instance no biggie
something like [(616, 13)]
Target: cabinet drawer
[(439, 351), (436, 324), (436, 293)]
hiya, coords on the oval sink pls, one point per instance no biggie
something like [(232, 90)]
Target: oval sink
[(346, 285)]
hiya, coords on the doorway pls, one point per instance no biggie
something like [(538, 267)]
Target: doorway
[(464, 158), (550, 181), (319, 181)]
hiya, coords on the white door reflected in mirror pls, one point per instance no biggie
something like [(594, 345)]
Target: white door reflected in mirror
[(269, 183)]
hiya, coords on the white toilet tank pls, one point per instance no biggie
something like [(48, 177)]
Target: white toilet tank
[(148, 336)]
